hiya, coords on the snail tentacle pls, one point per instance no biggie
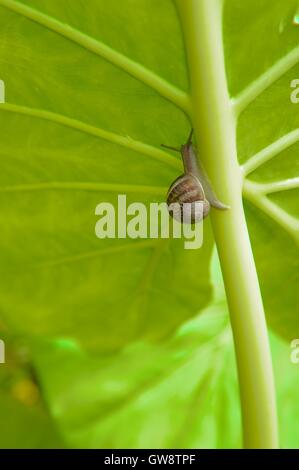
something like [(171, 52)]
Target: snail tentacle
[(191, 195)]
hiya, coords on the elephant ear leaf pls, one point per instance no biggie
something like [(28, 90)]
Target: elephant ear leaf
[(181, 393), (261, 74), (90, 96)]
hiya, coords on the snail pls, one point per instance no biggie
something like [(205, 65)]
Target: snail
[(191, 195)]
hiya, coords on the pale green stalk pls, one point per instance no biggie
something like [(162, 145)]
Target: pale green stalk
[(214, 119)]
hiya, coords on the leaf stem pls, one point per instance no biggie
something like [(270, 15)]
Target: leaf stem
[(215, 124)]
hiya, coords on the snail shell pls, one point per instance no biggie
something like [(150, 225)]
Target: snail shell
[(186, 200)]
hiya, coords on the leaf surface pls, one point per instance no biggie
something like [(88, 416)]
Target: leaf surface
[(85, 115), (91, 94), (179, 394)]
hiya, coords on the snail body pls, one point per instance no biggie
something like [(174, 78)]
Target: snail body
[(191, 196)]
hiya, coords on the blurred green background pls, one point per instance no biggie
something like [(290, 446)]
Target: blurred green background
[(181, 393), (110, 343)]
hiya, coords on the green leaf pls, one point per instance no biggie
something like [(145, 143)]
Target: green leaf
[(82, 123), (181, 394), (260, 74), (91, 93), (71, 78)]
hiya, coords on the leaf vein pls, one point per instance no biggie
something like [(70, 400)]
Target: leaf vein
[(85, 186), (274, 73), (124, 141), (168, 91), (257, 160), (96, 253), (286, 221)]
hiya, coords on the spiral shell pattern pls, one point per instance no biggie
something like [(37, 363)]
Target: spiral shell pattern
[(186, 200)]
